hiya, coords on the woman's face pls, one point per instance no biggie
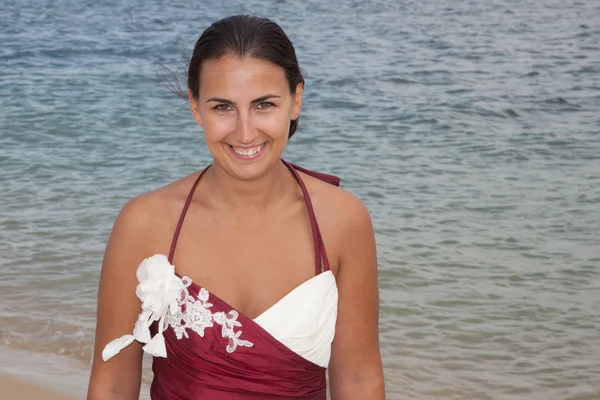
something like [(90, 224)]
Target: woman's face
[(245, 107)]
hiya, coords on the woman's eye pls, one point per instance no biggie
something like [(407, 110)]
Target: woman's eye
[(223, 107), (265, 104)]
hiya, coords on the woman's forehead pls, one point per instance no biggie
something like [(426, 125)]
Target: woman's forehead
[(233, 76)]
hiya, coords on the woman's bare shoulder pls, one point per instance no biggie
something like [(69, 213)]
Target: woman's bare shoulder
[(150, 215), (337, 207)]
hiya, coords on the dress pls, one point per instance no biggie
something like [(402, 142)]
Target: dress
[(205, 349)]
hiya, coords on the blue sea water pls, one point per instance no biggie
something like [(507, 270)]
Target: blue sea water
[(471, 130)]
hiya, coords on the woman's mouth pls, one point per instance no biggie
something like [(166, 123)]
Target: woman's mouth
[(248, 153)]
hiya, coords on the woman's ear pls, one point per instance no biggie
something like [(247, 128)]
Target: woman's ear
[(297, 101), (194, 108)]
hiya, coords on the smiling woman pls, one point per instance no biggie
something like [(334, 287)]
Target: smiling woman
[(246, 125), (275, 281)]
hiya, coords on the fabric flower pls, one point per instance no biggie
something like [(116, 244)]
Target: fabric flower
[(159, 288), (166, 299)]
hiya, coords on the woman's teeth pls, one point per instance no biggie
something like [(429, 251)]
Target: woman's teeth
[(247, 152)]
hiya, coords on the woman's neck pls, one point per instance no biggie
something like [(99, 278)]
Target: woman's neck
[(258, 196)]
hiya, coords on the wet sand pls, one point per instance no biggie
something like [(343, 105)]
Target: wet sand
[(14, 389)]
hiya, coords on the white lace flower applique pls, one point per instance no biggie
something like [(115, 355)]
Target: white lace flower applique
[(227, 324), (166, 299)]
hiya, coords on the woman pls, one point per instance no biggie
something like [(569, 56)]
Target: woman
[(275, 277)]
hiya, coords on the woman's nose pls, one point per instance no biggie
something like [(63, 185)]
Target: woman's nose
[(245, 132)]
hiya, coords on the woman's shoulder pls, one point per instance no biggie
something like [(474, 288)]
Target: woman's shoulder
[(149, 215), (155, 202), (336, 206)]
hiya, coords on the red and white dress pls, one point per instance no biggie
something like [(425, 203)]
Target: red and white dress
[(205, 349)]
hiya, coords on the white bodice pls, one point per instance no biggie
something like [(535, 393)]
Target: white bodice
[(304, 320)]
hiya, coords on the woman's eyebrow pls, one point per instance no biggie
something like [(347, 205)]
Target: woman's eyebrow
[(219, 100), (264, 98), (255, 101)]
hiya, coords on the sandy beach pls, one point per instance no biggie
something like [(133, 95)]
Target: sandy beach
[(26, 374), (13, 389)]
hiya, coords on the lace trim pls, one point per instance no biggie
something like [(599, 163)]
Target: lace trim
[(195, 314), (166, 299)]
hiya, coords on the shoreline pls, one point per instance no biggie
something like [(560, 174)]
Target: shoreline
[(15, 388), (26, 374), (29, 375)]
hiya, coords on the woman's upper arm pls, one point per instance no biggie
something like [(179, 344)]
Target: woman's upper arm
[(118, 306), (355, 369)]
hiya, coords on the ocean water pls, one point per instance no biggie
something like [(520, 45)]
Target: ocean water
[(471, 130)]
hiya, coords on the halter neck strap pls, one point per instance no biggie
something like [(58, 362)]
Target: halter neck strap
[(321, 261)]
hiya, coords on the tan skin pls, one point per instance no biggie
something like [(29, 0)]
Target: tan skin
[(246, 237)]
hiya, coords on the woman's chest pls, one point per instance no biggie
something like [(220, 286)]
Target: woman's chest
[(251, 269)]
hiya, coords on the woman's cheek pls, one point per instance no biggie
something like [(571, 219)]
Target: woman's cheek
[(274, 125), (217, 129)]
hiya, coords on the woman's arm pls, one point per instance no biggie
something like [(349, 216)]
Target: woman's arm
[(355, 369), (118, 307)]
